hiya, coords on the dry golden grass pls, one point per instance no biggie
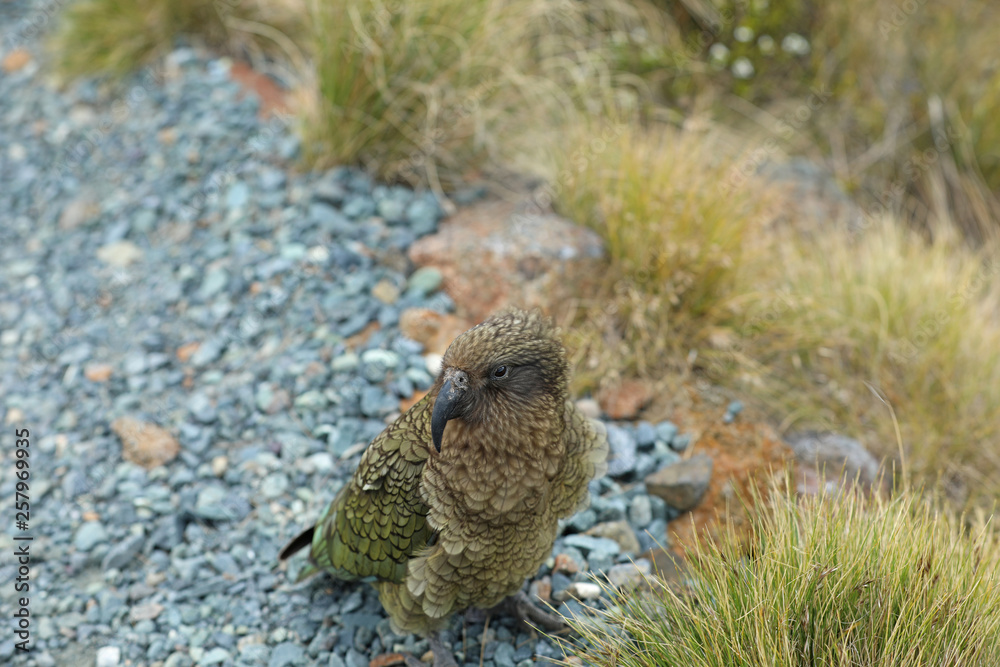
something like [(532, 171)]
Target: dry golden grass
[(809, 324), (433, 91), (676, 241), (917, 322), (117, 36)]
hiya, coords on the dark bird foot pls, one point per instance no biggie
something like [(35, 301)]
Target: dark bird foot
[(520, 606), (442, 656)]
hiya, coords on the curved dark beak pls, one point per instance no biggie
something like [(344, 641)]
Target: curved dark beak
[(447, 406)]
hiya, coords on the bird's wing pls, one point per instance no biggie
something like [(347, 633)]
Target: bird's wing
[(586, 458), (378, 520)]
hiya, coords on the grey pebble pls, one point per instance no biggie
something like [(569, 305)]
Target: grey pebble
[(215, 281), (89, 535), (503, 656), (209, 504), (123, 553), (274, 485), (215, 656), (666, 431), (586, 543), (640, 511), (425, 280), (287, 654), (645, 435), (201, 408), (681, 442), (582, 521), (355, 659), (623, 451)]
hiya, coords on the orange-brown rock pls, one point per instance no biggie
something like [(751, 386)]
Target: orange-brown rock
[(498, 253), (185, 351), (624, 400), (16, 60), (387, 660), (565, 564), (273, 98), (541, 589), (144, 443), (432, 329), (97, 372), (745, 455)]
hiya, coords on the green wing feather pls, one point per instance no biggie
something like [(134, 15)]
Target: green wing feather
[(378, 521)]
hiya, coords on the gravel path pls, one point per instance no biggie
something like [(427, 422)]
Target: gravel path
[(161, 261)]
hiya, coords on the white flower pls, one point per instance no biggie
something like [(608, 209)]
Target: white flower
[(718, 53), (795, 44), (742, 68)]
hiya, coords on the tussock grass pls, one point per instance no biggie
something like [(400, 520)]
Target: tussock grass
[(114, 37), (810, 324), (918, 321), (676, 242), (406, 88), (431, 91), (828, 581)]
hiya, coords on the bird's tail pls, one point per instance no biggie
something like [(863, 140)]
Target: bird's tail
[(298, 543)]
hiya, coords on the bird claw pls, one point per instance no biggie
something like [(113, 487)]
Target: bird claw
[(528, 612)]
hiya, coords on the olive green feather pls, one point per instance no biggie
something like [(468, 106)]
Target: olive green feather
[(378, 521), (459, 500)]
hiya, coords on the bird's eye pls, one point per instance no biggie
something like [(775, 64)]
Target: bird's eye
[(500, 371)]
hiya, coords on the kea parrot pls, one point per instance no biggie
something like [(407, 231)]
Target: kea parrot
[(458, 500)]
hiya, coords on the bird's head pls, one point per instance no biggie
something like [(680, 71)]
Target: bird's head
[(509, 372)]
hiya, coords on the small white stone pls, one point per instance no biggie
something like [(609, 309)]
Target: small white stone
[(321, 462), (219, 465), (108, 656), (119, 253), (318, 254), (584, 590)]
